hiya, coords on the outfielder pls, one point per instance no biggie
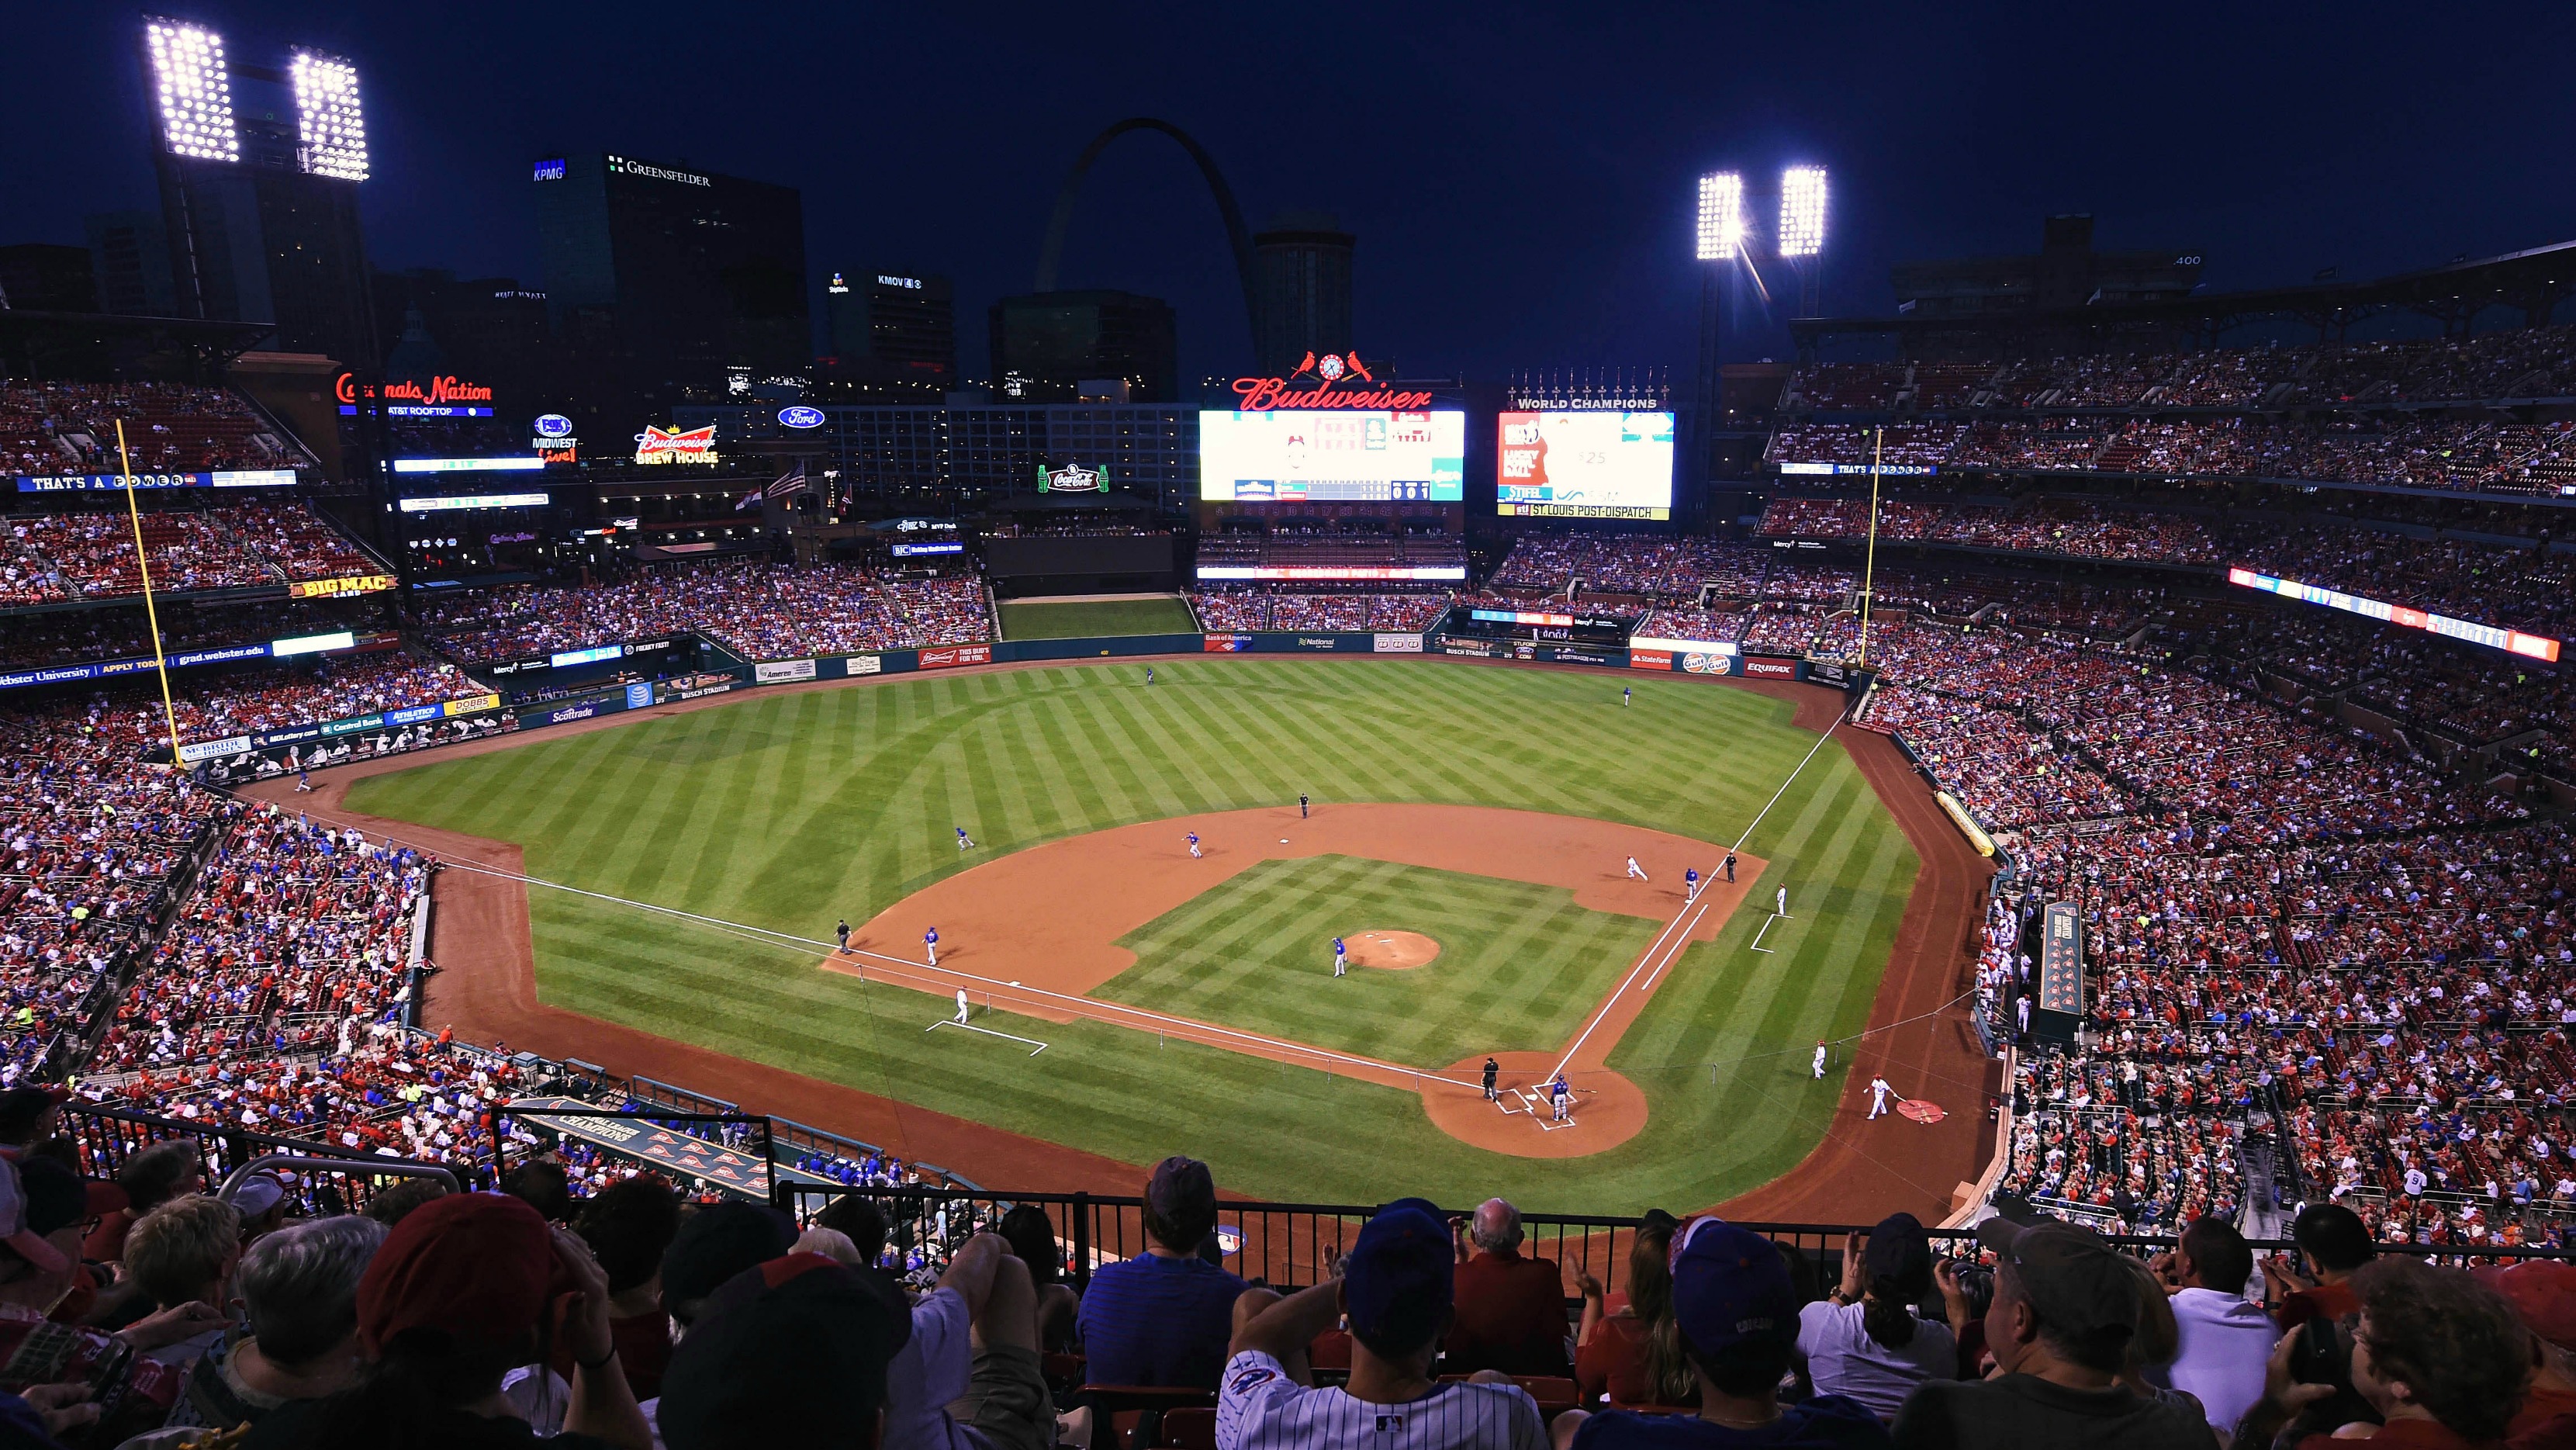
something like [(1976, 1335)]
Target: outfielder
[(1690, 884), (1341, 957), (964, 842), (1784, 901), (1194, 846), (1625, 696), (930, 943), (961, 1006), (1560, 1097), (1149, 674), (1636, 871), (1878, 1091), (1820, 1059)]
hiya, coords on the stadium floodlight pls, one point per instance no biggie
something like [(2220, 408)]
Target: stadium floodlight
[(1802, 211), (333, 126), (1721, 216), (195, 90)]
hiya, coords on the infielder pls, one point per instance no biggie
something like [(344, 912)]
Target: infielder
[(961, 1006), (930, 943), (1301, 808), (1636, 871), (1878, 1091), (1194, 846), (1820, 1059), (844, 934), (1341, 957), (1560, 1097), (964, 842), (1690, 884)]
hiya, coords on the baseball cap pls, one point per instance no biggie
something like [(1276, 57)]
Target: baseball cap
[(717, 1242), (258, 1193), (789, 1351), (476, 1267), (2074, 1280), (1730, 1285), (57, 1197), (1396, 1280), (1899, 1249), (2543, 1292), (21, 1109)]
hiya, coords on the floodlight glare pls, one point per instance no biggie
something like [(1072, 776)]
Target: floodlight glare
[(334, 127), (1802, 211), (194, 89), (1721, 216)]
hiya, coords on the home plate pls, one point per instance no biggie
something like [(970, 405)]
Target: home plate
[(1921, 1111)]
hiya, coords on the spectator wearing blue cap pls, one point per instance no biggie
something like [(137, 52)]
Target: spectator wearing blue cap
[(1738, 1316), (1395, 1289)]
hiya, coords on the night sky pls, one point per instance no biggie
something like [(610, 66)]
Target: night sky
[(1520, 177)]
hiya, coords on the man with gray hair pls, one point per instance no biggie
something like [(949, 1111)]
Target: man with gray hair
[(1510, 1309), (299, 1289)]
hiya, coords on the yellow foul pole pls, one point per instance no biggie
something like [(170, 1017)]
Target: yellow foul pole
[(151, 612), (1869, 565)]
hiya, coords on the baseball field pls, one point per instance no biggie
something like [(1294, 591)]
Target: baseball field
[(1468, 838)]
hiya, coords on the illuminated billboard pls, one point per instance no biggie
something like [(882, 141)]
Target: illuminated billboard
[(2512, 641), (1585, 465), (1317, 457)]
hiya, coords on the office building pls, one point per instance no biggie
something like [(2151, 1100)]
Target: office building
[(1047, 344), (963, 453), (665, 275), (2065, 273), (47, 277), (890, 329), (1301, 291), (129, 255)]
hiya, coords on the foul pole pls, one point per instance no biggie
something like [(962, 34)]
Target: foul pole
[(1869, 562), (151, 612)]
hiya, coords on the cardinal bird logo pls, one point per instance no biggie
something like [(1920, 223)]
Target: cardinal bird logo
[(1305, 367)]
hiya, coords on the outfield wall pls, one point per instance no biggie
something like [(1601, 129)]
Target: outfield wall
[(371, 736)]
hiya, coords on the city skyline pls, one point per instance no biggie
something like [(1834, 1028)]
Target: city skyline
[(1521, 187)]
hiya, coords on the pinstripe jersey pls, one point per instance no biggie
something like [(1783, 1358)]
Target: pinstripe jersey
[(1259, 1407)]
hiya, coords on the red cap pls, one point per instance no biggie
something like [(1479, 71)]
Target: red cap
[(476, 1266), (2543, 1292)]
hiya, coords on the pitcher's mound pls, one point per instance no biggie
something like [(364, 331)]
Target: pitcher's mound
[(1392, 950)]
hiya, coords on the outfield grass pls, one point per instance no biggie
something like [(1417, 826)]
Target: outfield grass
[(788, 810), (1519, 965), (1095, 618)]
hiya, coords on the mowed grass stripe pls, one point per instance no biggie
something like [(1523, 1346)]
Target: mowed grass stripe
[(784, 810)]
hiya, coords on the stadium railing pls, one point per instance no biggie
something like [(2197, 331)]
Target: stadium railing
[(1289, 1244), (106, 1137)]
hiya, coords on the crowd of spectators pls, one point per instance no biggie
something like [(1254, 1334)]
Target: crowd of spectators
[(51, 557), (65, 427), (760, 610), (1640, 565), (1290, 607)]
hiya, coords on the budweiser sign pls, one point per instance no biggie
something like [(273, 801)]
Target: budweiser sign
[(1262, 395), (665, 445)]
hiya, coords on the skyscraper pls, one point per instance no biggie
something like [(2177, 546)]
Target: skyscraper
[(1046, 344), (678, 273), (891, 328), (1301, 279)]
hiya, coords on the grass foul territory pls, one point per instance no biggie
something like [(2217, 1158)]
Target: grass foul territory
[(790, 810)]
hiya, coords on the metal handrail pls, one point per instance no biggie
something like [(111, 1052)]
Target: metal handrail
[(386, 1168)]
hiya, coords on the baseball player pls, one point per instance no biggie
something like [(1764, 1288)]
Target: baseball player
[(1149, 674), (303, 782), (930, 943), (1301, 808), (964, 842), (1820, 1059), (1784, 901), (961, 1006), (1878, 1091), (1560, 1097), (1730, 867), (1690, 884), (1635, 871), (1341, 957), (1194, 846), (843, 932), (1491, 1069), (1626, 696)]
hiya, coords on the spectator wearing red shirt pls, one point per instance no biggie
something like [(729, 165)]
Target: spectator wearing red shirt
[(1634, 1356), (1511, 1309), (2543, 1293)]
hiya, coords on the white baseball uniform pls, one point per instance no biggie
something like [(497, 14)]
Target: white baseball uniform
[(1878, 1091)]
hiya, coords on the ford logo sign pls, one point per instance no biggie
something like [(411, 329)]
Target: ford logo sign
[(801, 416), (553, 425)]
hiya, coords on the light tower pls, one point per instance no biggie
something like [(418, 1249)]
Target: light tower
[(1801, 241), (1719, 242)]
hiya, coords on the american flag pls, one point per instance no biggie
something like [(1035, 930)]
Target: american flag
[(788, 482)]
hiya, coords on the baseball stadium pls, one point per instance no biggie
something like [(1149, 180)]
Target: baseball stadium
[(2075, 769)]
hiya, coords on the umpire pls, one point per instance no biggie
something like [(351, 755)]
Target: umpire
[(1491, 1068)]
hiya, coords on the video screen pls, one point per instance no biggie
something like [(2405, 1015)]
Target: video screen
[(1319, 457), (1603, 465)]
